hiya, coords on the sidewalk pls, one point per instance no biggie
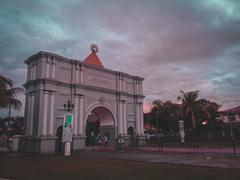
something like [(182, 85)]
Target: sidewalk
[(206, 160)]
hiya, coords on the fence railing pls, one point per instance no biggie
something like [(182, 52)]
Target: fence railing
[(189, 146)]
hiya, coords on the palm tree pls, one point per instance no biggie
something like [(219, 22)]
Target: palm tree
[(8, 98), (191, 105), (9, 93)]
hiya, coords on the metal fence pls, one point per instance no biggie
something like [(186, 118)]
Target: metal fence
[(189, 146)]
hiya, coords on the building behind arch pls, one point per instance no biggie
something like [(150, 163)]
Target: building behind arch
[(53, 80)]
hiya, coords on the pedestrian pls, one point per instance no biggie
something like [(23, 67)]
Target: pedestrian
[(106, 141), (99, 140)]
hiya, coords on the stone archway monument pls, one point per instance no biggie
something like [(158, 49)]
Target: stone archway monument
[(53, 80)]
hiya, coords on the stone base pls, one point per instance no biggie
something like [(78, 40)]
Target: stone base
[(141, 138), (37, 145), (15, 142), (78, 143), (126, 140)]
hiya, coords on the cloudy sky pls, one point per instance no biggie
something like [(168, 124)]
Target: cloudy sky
[(175, 44)]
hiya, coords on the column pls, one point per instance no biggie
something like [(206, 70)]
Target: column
[(137, 87), (137, 119), (37, 64), (124, 118), (75, 122), (53, 70), (120, 119), (31, 114), (81, 124), (33, 69), (77, 75), (81, 74), (52, 112), (141, 119), (123, 85), (47, 68), (28, 73), (120, 83), (140, 84), (45, 113), (28, 114)]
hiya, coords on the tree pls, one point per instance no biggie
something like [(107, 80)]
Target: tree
[(209, 115), (170, 115), (191, 106), (9, 93), (165, 115), (156, 113)]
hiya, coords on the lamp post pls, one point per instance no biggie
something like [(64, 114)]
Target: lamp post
[(67, 128), (68, 107)]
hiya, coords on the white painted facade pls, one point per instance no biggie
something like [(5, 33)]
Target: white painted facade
[(52, 80)]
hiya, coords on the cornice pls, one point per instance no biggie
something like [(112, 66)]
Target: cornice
[(41, 54), (80, 86)]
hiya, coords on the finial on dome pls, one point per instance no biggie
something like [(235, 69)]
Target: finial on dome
[(94, 48)]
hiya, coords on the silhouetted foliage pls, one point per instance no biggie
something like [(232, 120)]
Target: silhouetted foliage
[(11, 126), (200, 116), (9, 93)]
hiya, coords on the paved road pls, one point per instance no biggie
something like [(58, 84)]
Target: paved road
[(194, 159)]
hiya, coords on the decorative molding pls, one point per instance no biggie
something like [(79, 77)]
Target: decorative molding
[(102, 100)]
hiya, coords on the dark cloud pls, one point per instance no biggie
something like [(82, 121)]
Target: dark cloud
[(189, 45)]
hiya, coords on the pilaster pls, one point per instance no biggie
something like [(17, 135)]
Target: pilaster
[(47, 67), (80, 115), (28, 113), (138, 126), (45, 114), (53, 69), (52, 112), (121, 118), (141, 118), (32, 98), (124, 118), (34, 70), (81, 74), (75, 122)]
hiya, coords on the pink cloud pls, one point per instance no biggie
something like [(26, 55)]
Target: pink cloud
[(146, 108)]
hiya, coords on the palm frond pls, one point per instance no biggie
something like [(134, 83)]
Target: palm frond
[(16, 104), (8, 94), (16, 91), (5, 82)]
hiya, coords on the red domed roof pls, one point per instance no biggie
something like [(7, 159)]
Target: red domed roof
[(93, 59)]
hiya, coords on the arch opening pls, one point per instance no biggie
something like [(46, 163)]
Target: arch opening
[(59, 144), (100, 127), (131, 132), (131, 135)]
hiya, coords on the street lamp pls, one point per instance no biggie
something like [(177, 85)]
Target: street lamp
[(69, 106)]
